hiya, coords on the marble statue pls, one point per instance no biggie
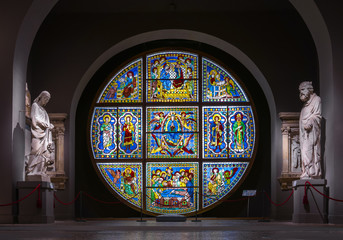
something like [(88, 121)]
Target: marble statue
[(41, 145), (296, 153), (309, 132)]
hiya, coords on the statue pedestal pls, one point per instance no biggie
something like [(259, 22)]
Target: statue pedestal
[(316, 209), (37, 178), (28, 210)]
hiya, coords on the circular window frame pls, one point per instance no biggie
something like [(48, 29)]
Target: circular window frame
[(199, 103)]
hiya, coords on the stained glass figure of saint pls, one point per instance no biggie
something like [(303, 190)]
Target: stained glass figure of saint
[(215, 182), (129, 182), (128, 134), (107, 140), (239, 133), (215, 132)]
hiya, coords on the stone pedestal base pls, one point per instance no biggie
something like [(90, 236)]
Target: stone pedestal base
[(37, 178), (28, 210), (316, 210)]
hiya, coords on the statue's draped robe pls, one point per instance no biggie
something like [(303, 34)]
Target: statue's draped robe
[(41, 139), (310, 140)]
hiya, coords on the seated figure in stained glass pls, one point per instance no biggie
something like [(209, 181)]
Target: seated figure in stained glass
[(129, 185), (171, 77), (215, 182)]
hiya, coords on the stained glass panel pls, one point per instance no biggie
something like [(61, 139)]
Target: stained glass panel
[(130, 130), (214, 132), (219, 179), (103, 133), (125, 86), (172, 77), (125, 179), (219, 85), (172, 132), (172, 119), (241, 131), (172, 90), (172, 145), (171, 187)]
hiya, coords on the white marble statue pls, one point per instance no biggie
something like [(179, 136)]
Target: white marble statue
[(309, 132), (296, 153), (41, 145)]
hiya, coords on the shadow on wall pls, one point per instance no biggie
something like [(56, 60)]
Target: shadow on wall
[(18, 152), (323, 141)]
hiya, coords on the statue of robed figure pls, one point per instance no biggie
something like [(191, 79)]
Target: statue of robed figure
[(310, 132), (42, 145)]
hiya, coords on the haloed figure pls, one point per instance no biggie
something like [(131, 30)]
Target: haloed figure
[(128, 130), (239, 131), (107, 134), (216, 132)]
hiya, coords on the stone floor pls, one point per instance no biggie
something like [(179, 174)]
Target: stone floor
[(206, 229)]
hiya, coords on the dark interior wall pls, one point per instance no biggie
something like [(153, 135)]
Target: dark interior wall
[(276, 40), (332, 13), (9, 27), (87, 180), (70, 40)]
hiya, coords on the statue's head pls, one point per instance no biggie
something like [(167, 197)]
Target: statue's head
[(306, 90), (43, 98)]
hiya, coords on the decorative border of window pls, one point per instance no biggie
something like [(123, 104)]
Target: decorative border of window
[(163, 199), (219, 179), (125, 86), (125, 179), (172, 76), (219, 85)]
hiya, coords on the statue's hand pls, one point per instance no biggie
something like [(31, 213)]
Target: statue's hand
[(51, 126)]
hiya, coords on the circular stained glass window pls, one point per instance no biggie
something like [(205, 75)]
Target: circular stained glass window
[(172, 132)]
